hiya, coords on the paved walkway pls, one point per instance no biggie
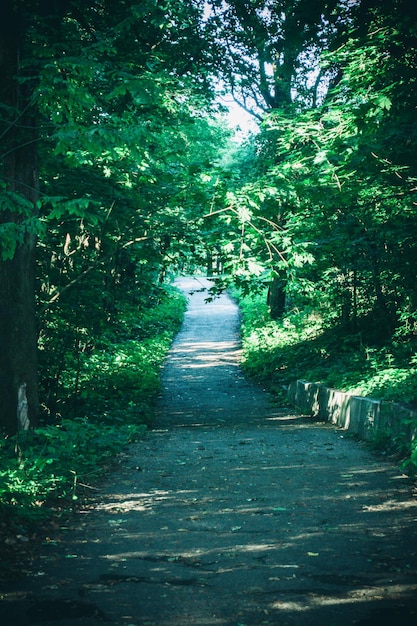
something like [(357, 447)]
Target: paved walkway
[(231, 512)]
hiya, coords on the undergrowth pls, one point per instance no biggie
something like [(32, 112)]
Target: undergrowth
[(302, 346), (116, 390)]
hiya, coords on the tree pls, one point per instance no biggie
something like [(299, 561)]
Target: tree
[(352, 169), (104, 90), (267, 54), (18, 211)]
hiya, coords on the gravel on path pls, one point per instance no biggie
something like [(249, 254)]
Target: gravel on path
[(231, 512)]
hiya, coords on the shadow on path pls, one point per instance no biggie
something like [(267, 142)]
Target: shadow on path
[(231, 512)]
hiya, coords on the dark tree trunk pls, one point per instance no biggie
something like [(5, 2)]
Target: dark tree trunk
[(276, 297), (19, 187), (18, 340)]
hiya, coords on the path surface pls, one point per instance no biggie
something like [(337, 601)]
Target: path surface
[(231, 512)]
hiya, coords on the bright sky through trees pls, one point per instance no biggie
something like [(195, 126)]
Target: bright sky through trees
[(239, 119)]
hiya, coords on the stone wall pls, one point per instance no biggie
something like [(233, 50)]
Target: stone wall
[(367, 418)]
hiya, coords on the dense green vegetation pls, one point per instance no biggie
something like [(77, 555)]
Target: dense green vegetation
[(43, 471), (117, 170), (301, 345)]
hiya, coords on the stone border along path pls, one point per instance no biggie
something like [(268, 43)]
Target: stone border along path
[(368, 418), (231, 512)]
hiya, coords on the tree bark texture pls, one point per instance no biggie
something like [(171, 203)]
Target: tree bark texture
[(19, 179), (276, 297)]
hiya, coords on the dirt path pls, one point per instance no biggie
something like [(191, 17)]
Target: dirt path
[(231, 512)]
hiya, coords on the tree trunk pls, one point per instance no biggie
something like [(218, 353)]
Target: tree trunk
[(19, 186), (18, 340), (276, 297)]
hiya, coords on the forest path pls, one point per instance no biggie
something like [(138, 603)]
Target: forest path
[(231, 512)]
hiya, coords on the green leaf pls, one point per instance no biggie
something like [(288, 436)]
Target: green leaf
[(384, 102), (11, 235)]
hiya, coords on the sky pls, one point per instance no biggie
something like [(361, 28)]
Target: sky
[(238, 118)]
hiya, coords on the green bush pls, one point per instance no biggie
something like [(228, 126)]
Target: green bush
[(49, 463), (302, 346), (117, 385)]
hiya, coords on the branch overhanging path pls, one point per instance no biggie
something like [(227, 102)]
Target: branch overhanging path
[(230, 512)]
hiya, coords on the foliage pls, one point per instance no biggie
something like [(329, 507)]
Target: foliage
[(351, 174), (277, 352), (138, 178), (117, 390), (51, 462), (301, 346), (266, 51), (89, 364), (126, 141)]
